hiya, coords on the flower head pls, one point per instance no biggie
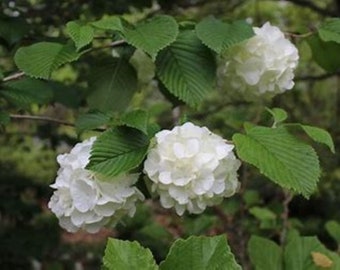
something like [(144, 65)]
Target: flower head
[(264, 64), (83, 200), (191, 168)]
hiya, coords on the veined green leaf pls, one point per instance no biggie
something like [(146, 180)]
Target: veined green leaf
[(41, 59), (109, 23), (219, 36), (136, 119), (187, 68), (80, 34), (200, 253), (24, 92), (278, 114), (118, 150), (281, 157), (330, 30), (152, 35), (264, 254), (319, 135), (123, 255), (91, 120), (113, 84)]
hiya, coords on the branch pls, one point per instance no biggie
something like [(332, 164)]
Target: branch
[(317, 77), (13, 77), (312, 6), (41, 118), (288, 196)]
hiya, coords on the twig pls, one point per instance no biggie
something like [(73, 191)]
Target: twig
[(13, 77), (41, 118), (288, 196)]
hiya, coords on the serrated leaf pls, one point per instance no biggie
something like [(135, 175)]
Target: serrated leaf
[(4, 118), (330, 30), (91, 120), (118, 150), (152, 35), (200, 253), (122, 255), (281, 157), (278, 114), (41, 59), (264, 254), (329, 61), (79, 33), (109, 23), (333, 228), (187, 68), (27, 91), (136, 119), (219, 36), (298, 254), (319, 135), (113, 84)]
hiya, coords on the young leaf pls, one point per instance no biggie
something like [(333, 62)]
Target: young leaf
[(329, 61), (24, 92), (281, 157), (330, 30), (109, 23), (200, 253), (264, 254), (333, 228), (219, 36), (153, 35), (113, 84), (118, 150), (40, 59), (122, 255), (187, 68), (80, 34), (278, 114), (91, 120), (136, 119), (319, 135)]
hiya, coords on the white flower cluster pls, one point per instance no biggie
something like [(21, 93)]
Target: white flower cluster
[(81, 200), (191, 168), (264, 63)]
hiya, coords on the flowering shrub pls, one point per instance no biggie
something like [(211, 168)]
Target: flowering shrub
[(191, 168), (83, 200), (262, 64)]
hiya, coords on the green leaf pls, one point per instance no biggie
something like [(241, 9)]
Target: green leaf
[(200, 253), (80, 34), (219, 36), (299, 254), (113, 83), (187, 68), (13, 29), (333, 228), (24, 92), (4, 118), (278, 114), (118, 150), (281, 157), (68, 95), (136, 119), (91, 120), (319, 135), (109, 23), (41, 59), (123, 255), (266, 217), (330, 30), (264, 254), (152, 35), (329, 61)]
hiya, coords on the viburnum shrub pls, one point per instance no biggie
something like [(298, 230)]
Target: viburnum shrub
[(187, 167)]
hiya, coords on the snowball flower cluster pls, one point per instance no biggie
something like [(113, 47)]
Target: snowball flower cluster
[(191, 168), (81, 200), (263, 64)]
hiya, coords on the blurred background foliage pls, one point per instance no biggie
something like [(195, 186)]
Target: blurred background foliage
[(29, 234)]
